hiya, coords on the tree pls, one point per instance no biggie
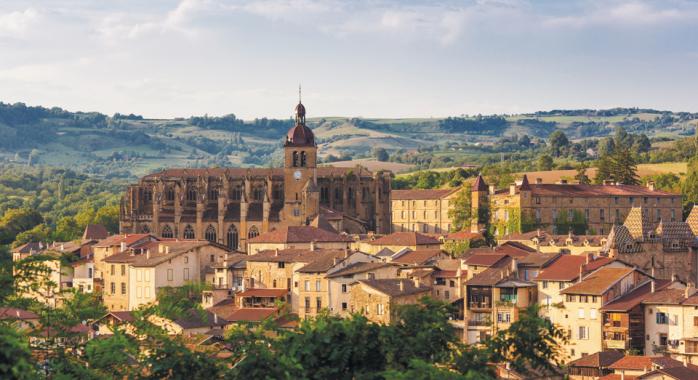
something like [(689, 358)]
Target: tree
[(15, 357), (690, 184), (380, 154), (622, 138), (67, 229), (606, 146), (604, 169), (641, 144), (422, 370), (100, 353), (39, 233), (558, 143), (625, 167), (108, 216), (85, 216), (461, 209), (530, 342), (17, 220), (545, 162), (581, 175)]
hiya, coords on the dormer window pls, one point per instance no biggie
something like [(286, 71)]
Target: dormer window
[(675, 244)]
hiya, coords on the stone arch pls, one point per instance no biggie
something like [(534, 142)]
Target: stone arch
[(188, 232), (253, 232), (232, 238), (210, 233), (145, 229), (167, 232)]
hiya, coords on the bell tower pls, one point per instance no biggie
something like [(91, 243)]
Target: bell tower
[(300, 158)]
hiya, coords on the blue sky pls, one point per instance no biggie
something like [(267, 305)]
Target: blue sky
[(354, 58)]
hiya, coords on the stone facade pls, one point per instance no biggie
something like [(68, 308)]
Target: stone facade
[(585, 209), (231, 205), (378, 304), (423, 211)]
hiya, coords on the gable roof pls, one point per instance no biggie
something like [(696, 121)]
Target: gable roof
[(405, 239), (601, 359), (128, 239), (251, 314), (485, 259), (598, 282), (29, 247), (95, 232), (580, 190), (419, 256), (356, 268), (154, 256), (299, 234), (391, 286), (480, 184), (492, 275), (324, 261), (12, 313), (692, 220), (464, 235), (637, 362), (678, 373), (630, 300), (290, 255), (566, 267)]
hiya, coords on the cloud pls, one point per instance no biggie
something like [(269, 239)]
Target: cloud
[(17, 22), (631, 13)]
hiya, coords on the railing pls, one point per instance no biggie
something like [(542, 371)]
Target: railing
[(504, 303), (616, 344), (481, 322), (479, 305)]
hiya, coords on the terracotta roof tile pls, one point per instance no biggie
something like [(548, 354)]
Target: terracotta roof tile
[(300, 234), (692, 220), (15, 313), (325, 261), (578, 190), (598, 282), (635, 297), (601, 359), (480, 184), (391, 286), (566, 268), (357, 268), (636, 362), (291, 255), (408, 239), (485, 259), (251, 314), (463, 235), (677, 373), (263, 292), (419, 256), (95, 232)]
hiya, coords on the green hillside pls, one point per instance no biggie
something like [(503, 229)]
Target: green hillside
[(128, 145)]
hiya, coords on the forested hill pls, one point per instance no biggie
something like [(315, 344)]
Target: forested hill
[(129, 145)]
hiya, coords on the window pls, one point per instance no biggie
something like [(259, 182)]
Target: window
[(615, 200), (592, 314), (451, 284), (570, 298), (210, 233), (191, 194), (254, 232), (318, 285), (188, 232), (561, 285), (617, 216), (170, 194), (186, 274), (123, 288), (113, 270), (318, 303), (306, 285), (447, 294), (545, 285), (583, 333), (593, 299), (303, 159), (307, 303), (580, 313), (662, 318), (186, 259), (673, 214), (537, 200), (170, 274), (281, 265), (232, 238), (602, 217), (167, 232), (583, 299), (379, 309), (503, 317), (89, 272), (538, 218), (344, 290), (295, 159), (123, 270), (344, 306), (212, 258), (113, 288)]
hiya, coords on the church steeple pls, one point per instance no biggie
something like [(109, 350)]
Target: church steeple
[(300, 109)]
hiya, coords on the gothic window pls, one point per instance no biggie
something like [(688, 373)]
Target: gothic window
[(337, 194), (258, 194), (147, 195), (295, 159), (188, 232), (191, 194), (350, 194), (364, 191), (232, 238), (210, 233), (254, 232), (167, 232), (145, 229), (170, 194), (303, 159), (324, 195), (213, 194), (237, 193), (277, 192)]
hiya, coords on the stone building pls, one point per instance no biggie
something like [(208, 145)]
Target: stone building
[(561, 207), (423, 211), (231, 205), (379, 299)]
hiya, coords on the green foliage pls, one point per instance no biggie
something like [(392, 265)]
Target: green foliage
[(174, 302), (433, 180), (460, 209), (380, 154), (581, 175), (421, 370), (577, 224), (457, 248), (15, 221), (100, 353), (16, 361), (40, 233), (545, 162), (690, 185), (559, 143)]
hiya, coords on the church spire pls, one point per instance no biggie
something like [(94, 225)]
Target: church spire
[(300, 109)]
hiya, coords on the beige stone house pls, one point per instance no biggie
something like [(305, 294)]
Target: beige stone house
[(425, 211), (342, 277), (298, 237), (378, 299), (398, 241)]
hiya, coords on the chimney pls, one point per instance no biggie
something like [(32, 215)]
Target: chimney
[(689, 290), (335, 261), (650, 185), (512, 189), (538, 232), (123, 246), (590, 257), (563, 182), (673, 277), (346, 253), (147, 254), (492, 189), (276, 252), (17, 312), (652, 286), (215, 318), (416, 282), (581, 273), (402, 285), (514, 265), (312, 245), (539, 181)]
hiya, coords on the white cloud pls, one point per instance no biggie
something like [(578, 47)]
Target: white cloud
[(18, 22), (624, 13)]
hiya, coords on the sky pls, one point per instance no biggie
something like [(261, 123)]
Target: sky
[(372, 58)]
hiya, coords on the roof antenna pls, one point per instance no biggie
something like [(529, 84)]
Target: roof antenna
[(299, 92)]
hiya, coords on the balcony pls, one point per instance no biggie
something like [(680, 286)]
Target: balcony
[(476, 323), (479, 306)]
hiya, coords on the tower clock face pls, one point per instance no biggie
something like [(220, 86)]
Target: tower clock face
[(297, 175)]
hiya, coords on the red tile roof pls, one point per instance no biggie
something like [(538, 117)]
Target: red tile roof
[(636, 362), (615, 376), (480, 184), (566, 267), (12, 313), (601, 359), (485, 259), (678, 373), (419, 256), (250, 314), (95, 232), (420, 194), (598, 282), (634, 298), (407, 239), (299, 234), (118, 239), (463, 235), (255, 292), (391, 286)]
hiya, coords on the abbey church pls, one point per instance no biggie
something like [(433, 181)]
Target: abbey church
[(231, 205)]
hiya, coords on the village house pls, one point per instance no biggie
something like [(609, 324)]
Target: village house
[(635, 366), (420, 210), (341, 278), (20, 318), (398, 241), (298, 237), (593, 366), (379, 299), (583, 302), (569, 243)]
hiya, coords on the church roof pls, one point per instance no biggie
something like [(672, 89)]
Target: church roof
[(300, 135), (480, 184), (299, 234)]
